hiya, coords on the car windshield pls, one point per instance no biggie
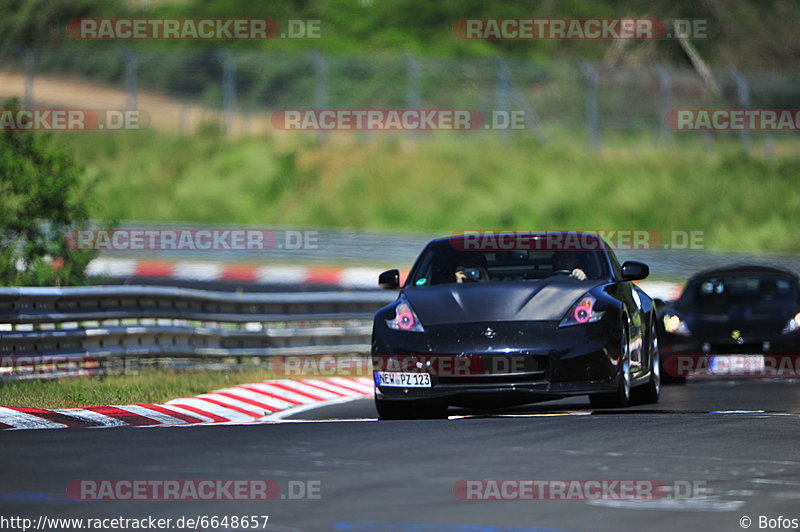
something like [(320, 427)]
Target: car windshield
[(720, 292), (444, 263)]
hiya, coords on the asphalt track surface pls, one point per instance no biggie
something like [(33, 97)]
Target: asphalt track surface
[(738, 440)]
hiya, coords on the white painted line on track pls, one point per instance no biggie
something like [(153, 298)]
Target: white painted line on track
[(696, 504)]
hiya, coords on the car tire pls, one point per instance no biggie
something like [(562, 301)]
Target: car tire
[(409, 410), (667, 378), (622, 396), (650, 392)]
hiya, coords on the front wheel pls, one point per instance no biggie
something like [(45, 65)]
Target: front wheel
[(409, 410), (622, 396), (650, 392)]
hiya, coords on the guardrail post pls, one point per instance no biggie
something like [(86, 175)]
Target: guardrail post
[(592, 121)]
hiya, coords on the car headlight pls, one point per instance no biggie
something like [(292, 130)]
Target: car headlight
[(673, 324), (793, 325), (582, 312), (405, 319)]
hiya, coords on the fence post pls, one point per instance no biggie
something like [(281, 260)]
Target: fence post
[(27, 102), (531, 117), (743, 91), (131, 75), (183, 119), (320, 83), (228, 90), (592, 122), (412, 86), (502, 93), (769, 146), (665, 101)]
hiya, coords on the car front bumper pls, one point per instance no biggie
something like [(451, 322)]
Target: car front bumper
[(683, 356), (522, 362)]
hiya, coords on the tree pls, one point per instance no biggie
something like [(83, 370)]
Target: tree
[(42, 196)]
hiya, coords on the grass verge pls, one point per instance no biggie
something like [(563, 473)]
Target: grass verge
[(152, 386)]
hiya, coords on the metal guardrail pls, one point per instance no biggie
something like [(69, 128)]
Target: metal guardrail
[(41, 328)]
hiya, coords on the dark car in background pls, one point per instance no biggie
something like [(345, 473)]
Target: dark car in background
[(483, 325), (729, 319)]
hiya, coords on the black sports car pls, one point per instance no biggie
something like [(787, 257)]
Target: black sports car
[(501, 320), (731, 321)]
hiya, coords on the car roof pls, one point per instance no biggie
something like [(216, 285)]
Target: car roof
[(744, 269)]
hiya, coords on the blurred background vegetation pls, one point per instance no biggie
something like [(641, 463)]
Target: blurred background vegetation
[(438, 182), (747, 34)]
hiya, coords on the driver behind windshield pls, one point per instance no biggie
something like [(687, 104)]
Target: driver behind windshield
[(471, 267), (569, 261)]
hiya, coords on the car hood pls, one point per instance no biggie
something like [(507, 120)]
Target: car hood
[(546, 299)]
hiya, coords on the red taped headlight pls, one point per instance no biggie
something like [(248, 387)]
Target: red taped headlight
[(582, 312), (405, 319)]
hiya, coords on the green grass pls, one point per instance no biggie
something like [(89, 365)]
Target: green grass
[(151, 386), (448, 182)]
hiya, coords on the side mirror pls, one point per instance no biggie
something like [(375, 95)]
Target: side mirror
[(633, 271), (390, 279)]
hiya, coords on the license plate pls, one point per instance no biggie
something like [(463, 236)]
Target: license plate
[(403, 380), (737, 364)]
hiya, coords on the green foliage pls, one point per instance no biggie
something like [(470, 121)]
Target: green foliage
[(746, 33), (42, 196), (44, 22)]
